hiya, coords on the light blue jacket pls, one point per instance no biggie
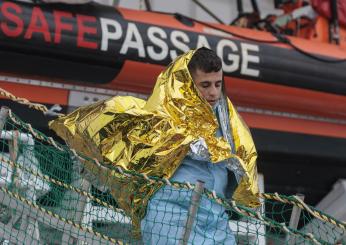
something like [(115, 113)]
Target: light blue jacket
[(168, 208), (214, 175)]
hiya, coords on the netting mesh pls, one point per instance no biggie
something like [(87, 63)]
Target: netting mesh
[(46, 198)]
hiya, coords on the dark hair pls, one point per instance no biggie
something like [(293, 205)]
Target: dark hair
[(205, 60)]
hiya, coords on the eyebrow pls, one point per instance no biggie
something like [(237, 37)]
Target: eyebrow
[(220, 81)]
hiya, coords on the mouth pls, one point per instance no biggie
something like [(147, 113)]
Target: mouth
[(212, 101)]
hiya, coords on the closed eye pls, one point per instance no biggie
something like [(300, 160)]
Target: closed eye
[(205, 84)]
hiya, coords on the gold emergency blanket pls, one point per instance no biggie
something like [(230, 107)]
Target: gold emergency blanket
[(153, 137)]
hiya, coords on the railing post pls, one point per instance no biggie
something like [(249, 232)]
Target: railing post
[(294, 220), (195, 200), (3, 116)]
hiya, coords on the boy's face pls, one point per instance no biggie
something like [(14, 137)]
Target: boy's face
[(209, 84)]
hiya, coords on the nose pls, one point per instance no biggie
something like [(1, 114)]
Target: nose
[(213, 92)]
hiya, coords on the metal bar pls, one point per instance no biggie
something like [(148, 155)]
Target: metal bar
[(148, 5), (15, 236), (30, 226), (13, 150), (208, 11), (255, 7), (3, 116), (195, 200), (23, 137), (50, 220), (78, 201), (294, 220), (334, 22), (13, 146), (240, 7)]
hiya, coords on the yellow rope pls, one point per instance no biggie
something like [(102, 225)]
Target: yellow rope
[(299, 203), (28, 127), (84, 193), (64, 185), (276, 197), (45, 110), (283, 226), (76, 225), (26, 102)]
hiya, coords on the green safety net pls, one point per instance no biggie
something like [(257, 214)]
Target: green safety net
[(46, 197)]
